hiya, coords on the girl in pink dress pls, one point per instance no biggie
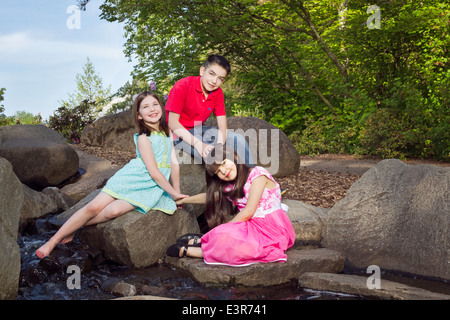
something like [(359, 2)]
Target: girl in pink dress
[(259, 232)]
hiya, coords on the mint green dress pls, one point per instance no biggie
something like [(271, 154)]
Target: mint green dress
[(134, 184)]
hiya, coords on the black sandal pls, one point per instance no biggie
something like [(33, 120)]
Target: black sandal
[(187, 237), (174, 250)]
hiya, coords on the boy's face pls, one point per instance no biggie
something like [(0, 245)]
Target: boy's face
[(212, 77)]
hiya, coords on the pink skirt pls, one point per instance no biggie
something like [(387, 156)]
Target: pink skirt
[(244, 243)]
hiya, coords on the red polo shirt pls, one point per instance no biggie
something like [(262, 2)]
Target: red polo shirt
[(186, 99)]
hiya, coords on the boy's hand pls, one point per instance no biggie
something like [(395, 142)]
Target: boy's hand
[(204, 149)]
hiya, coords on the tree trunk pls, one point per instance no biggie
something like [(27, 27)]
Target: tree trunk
[(304, 14)]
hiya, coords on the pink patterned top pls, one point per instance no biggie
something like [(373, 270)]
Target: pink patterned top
[(270, 199)]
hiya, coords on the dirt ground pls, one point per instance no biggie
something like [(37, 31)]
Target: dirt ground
[(321, 180)]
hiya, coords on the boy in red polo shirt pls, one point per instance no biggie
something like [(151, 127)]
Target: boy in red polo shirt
[(191, 101)]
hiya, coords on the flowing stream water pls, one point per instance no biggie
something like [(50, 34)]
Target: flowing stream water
[(49, 280)]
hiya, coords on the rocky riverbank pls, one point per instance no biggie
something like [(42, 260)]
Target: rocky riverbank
[(394, 217)]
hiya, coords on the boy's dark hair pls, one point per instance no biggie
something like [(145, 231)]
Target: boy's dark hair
[(142, 128), (216, 59)]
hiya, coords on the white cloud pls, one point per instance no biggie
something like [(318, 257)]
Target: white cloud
[(40, 56), (25, 48)]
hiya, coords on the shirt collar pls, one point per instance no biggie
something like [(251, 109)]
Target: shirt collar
[(198, 85)]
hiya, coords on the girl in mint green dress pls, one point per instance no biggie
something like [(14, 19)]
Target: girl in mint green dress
[(134, 184), (141, 185)]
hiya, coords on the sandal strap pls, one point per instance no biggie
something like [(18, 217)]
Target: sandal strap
[(185, 251), (196, 240)]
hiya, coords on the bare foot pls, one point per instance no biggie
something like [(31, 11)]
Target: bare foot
[(68, 238), (44, 250)]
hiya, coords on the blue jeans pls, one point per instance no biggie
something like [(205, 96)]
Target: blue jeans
[(208, 135)]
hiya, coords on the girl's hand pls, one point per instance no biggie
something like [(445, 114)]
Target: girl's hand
[(180, 196), (179, 200)]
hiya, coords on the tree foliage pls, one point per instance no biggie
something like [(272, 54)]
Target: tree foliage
[(313, 68), (83, 106), (89, 87), (3, 117), (20, 117)]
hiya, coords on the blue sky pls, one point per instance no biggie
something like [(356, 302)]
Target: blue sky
[(40, 55)]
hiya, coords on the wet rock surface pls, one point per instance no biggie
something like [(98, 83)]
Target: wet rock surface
[(398, 218), (357, 285), (262, 274), (100, 279), (39, 155), (51, 278)]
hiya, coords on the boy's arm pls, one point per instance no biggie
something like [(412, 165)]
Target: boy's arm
[(222, 129), (178, 129)]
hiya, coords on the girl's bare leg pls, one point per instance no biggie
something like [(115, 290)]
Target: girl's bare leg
[(111, 211), (76, 221)]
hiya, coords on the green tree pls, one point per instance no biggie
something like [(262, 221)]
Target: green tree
[(24, 117), (313, 68), (2, 107), (269, 44), (400, 76), (4, 120), (89, 88), (2, 93)]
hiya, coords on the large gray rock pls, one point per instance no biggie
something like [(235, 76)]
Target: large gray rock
[(111, 132), (28, 131), (11, 198), (396, 216), (307, 221), (262, 274), (39, 155), (357, 285), (139, 240), (270, 146), (39, 204), (133, 239), (96, 172)]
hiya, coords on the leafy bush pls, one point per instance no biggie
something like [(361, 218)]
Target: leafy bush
[(23, 117), (328, 134), (392, 134), (71, 121)]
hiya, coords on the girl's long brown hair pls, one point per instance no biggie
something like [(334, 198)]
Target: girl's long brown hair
[(218, 207), (142, 128)]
